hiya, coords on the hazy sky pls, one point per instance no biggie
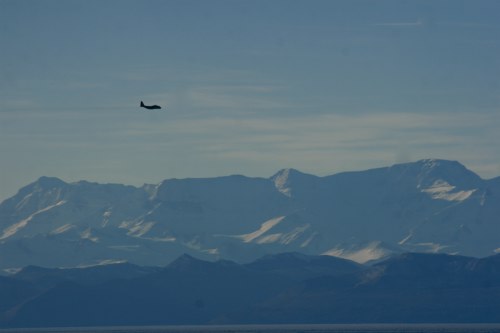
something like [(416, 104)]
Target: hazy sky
[(249, 87)]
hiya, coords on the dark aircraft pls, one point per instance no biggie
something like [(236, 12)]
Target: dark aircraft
[(150, 107)]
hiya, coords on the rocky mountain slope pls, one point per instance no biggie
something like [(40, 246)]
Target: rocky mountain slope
[(433, 206)]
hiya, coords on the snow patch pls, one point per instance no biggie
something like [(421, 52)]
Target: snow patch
[(309, 240), (12, 271), (126, 224), (23, 202), (442, 190), (269, 239), (105, 217), (283, 238), (212, 251), (363, 255), (13, 229), (140, 229), (483, 199), (406, 239), (163, 239), (432, 247), (104, 263), (62, 229), (281, 182), (154, 209), (294, 234), (87, 234), (265, 227)]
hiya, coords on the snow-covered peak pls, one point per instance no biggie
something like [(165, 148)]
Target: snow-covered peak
[(44, 192), (439, 166), (50, 182), (446, 180), (285, 179), (428, 205), (42, 184), (150, 189), (427, 173)]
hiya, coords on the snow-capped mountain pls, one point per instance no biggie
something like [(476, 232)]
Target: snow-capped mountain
[(425, 206)]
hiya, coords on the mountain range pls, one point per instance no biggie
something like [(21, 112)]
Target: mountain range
[(428, 206), (289, 288)]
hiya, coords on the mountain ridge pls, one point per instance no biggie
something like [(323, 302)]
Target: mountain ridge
[(410, 287), (430, 205)]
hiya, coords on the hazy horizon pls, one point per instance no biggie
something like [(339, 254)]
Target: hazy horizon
[(247, 87)]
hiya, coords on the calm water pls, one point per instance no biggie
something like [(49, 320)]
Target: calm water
[(446, 328)]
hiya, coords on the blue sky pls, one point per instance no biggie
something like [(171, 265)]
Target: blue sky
[(249, 87)]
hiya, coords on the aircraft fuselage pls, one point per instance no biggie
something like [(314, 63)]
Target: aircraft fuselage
[(150, 107)]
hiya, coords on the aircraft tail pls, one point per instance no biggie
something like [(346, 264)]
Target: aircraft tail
[(142, 104)]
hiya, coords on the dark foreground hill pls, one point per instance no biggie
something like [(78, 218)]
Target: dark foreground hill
[(411, 288), (285, 288)]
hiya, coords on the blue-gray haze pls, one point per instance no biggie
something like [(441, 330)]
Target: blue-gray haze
[(378, 328), (246, 87)]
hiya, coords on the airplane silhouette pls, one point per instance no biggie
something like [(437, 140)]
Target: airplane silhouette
[(150, 107)]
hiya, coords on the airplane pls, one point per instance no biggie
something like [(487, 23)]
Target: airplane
[(150, 107)]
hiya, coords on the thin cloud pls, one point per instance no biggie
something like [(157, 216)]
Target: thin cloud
[(417, 23), (236, 97), (366, 140)]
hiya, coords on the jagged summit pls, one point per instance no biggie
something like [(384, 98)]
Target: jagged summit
[(441, 179), (429, 171), (48, 182), (185, 261), (429, 164), (42, 184), (290, 174), (188, 263), (425, 206), (286, 179)]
